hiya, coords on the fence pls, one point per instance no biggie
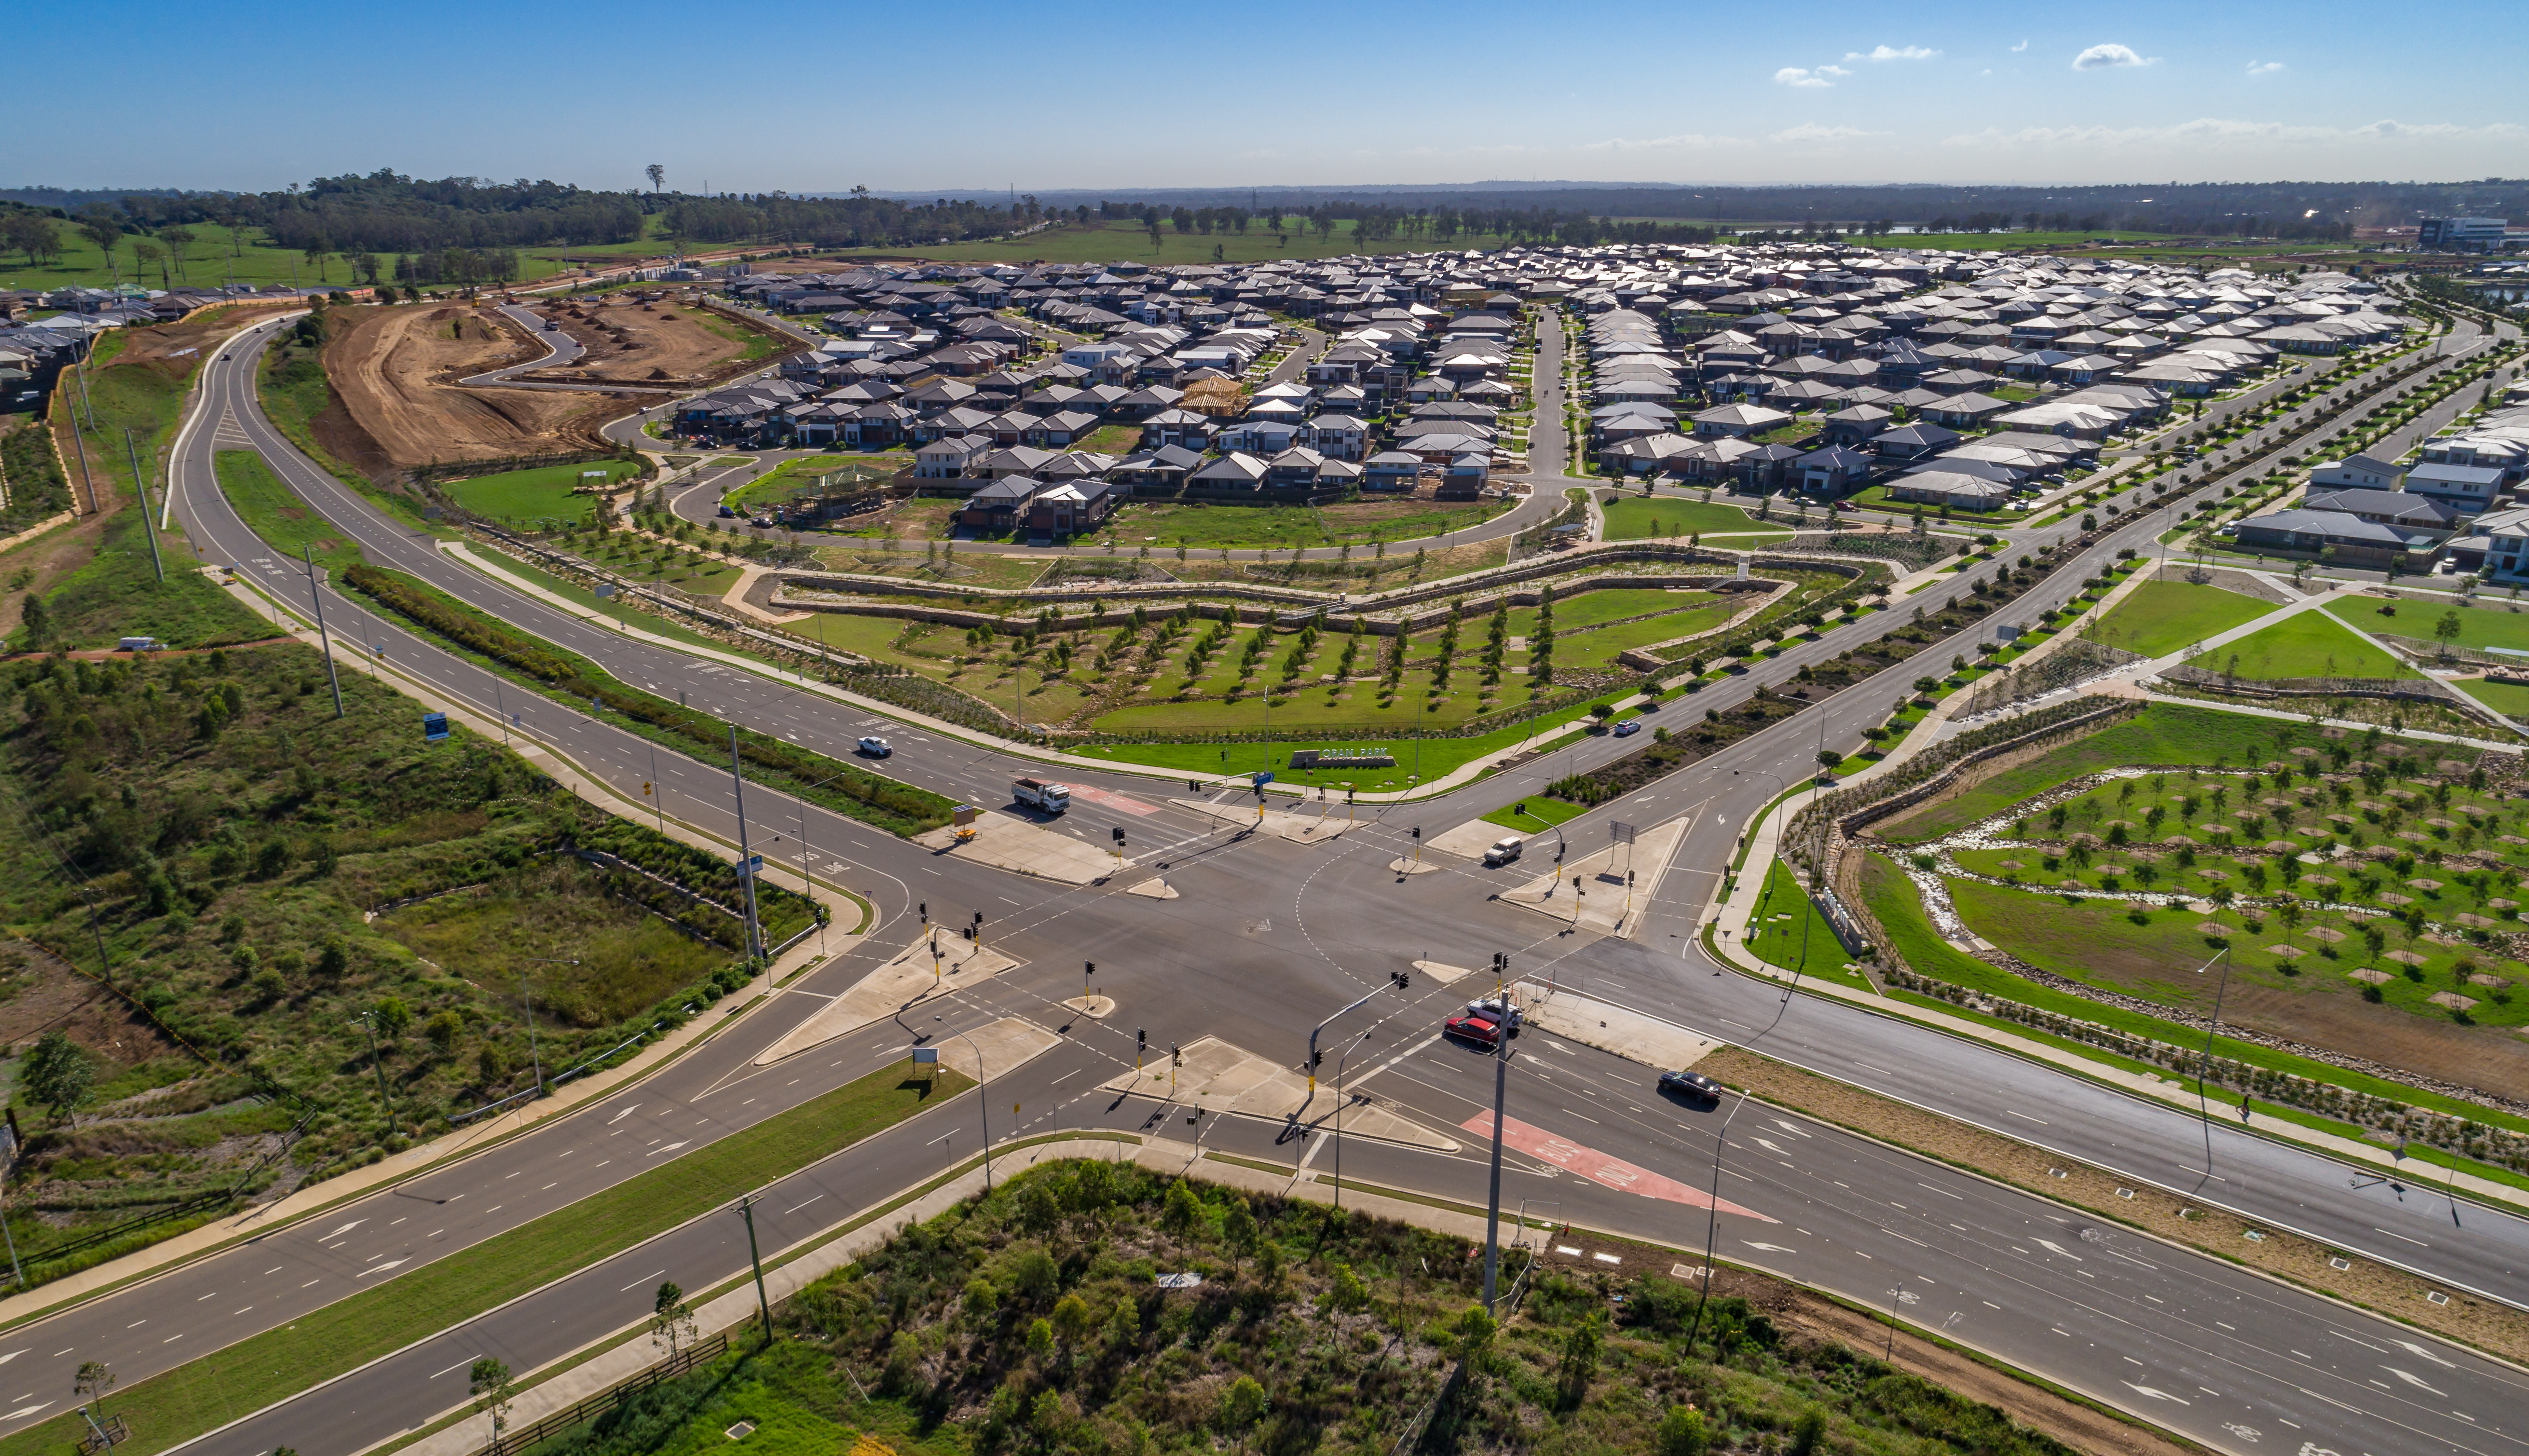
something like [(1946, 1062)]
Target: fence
[(605, 1401)]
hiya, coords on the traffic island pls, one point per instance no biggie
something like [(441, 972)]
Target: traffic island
[(1220, 1078), (934, 965), (1591, 891), (1008, 842)]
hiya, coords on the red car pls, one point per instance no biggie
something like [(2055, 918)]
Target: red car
[(1477, 1027)]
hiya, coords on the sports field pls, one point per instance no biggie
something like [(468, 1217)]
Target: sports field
[(544, 493)]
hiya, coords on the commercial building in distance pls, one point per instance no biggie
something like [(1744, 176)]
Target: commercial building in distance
[(2462, 234)]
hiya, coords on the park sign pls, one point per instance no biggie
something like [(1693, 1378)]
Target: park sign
[(434, 728), (1620, 832), (926, 1057)]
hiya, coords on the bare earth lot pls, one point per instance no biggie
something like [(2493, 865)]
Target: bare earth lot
[(630, 342), (396, 370)]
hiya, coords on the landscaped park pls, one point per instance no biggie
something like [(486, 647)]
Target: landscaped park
[(2352, 892)]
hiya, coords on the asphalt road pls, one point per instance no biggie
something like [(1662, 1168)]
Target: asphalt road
[(1253, 960)]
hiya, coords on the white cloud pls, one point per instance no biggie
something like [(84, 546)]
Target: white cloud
[(1812, 131), (1893, 53), (1833, 71), (2217, 132), (2109, 56), (2021, 46), (1800, 75), (2264, 67), (1685, 141)]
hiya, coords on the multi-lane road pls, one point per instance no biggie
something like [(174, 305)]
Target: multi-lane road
[(1266, 937)]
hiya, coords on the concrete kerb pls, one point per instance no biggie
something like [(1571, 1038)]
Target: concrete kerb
[(267, 1218)]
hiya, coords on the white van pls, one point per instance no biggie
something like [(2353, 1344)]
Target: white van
[(1504, 849)]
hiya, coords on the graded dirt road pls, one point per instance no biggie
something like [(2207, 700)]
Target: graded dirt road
[(664, 342)]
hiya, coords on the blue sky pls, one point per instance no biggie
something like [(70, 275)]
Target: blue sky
[(824, 97)]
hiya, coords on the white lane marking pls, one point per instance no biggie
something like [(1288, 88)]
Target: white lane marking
[(2025, 1118), (338, 1233), (2154, 1394), (2411, 1346), (2414, 1380), (2052, 1246), (460, 1364), (670, 1148), (27, 1411), (789, 1211), (627, 1113), (382, 1269), (644, 1279), (1769, 1248)]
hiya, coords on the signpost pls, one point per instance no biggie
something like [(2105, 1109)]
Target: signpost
[(434, 728)]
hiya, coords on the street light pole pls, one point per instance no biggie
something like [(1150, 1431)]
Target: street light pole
[(982, 1104), (323, 638), (1492, 1201), (1340, 1059), (745, 855)]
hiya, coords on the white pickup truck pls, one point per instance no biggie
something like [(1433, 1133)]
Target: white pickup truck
[(1041, 795)]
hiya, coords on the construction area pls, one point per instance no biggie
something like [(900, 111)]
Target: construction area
[(659, 342)]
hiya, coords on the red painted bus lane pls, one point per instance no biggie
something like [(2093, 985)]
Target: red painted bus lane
[(1600, 1168)]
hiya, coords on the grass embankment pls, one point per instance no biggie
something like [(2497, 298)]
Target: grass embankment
[(274, 513), (184, 1403), (1028, 1320), (1787, 930), (207, 826), (2159, 618), (2163, 734), (1895, 903), (2306, 644), (546, 493), (568, 677)]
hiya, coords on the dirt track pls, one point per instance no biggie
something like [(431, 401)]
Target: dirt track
[(394, 371)]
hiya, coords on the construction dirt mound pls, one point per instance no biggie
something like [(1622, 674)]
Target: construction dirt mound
[(395, 373), (661, 342)]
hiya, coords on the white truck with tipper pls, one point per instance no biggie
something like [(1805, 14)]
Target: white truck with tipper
[(1041, 795)]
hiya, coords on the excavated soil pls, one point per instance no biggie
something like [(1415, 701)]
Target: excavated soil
[(398, 403), (40, 992), (655, 344), (2497, 1329), (2475, 1056)]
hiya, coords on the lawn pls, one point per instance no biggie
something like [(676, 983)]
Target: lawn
[(803, 472), (2162, 734), (184, 1403), (1635, 519), (1528, 816), (2511, 699), (2159, 618), (2307, 644), (2478, 626), (1202, 526), (544, 493), (1787, 930)]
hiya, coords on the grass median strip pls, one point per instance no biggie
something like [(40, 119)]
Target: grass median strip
[(183, 1403), (898, 808)]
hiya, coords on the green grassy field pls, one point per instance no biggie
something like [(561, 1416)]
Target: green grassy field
[(190, 1399), (2511, 699), (1635, 519), (2478, 626), (1787, 930), (544, 493), (2159, 618), (2164, 734), (207, 261), (1129, 241), (802, 470), (2308, 644), (1164, 526)]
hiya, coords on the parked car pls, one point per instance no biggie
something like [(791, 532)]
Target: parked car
[(1693, 1086), (1484, 1031), (1504, 849), (1629, 728), (878, 747), (727, 513)]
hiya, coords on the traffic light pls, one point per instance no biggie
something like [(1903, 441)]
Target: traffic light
[(1317, 1060), (1401, 980), (1417, 832), (1176, 1058), (1193, 787), (1141, 1039), (926, 912), (1118, 832), (1089, 968), (1501, 962)]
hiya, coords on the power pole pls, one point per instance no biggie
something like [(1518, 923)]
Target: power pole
[(148, 527), (745, 861), (746, 1211), (308, 554), (1492, 1206)]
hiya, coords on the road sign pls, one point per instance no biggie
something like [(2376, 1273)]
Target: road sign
[(750, 867), (925, 1055), (434, 726), (1620, 832), (605, 588), (1261, 777), (962, 815)]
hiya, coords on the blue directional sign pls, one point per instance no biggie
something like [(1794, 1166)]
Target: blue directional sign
[(1262, 777), (749, 868)]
